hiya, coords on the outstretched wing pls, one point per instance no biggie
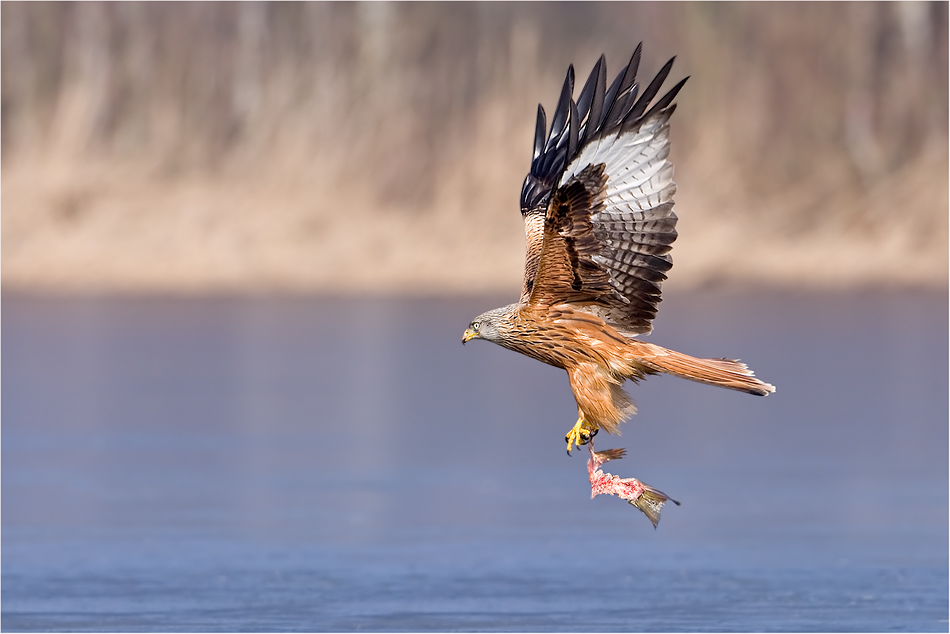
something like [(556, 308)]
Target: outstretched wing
[(598, 202), (548, 162)]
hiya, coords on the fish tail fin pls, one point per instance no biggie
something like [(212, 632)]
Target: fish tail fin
[(651, 502)]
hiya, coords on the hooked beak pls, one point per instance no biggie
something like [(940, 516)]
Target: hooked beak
[(469, 335)]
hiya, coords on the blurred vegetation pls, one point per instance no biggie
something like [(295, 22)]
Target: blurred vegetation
[(794, 117)]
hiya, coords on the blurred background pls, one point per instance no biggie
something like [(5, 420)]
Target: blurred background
[(377, 147), (240, 243)]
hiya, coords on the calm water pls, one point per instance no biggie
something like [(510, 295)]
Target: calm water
[(316, 464)]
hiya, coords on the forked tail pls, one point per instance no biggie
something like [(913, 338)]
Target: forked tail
[(720, 372)]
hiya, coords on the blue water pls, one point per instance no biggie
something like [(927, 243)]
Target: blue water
[(346, 464)]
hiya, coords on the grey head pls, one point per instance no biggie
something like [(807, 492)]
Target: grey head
[(490, 325)]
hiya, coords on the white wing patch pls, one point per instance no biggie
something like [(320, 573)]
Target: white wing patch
[(635, 224), (639, 176)]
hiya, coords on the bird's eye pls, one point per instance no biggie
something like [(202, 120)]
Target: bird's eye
[(475, 326)]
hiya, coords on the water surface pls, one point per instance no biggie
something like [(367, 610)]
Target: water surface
[(344, 464)]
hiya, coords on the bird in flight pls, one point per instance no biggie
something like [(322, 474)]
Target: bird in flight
[(599, 225)]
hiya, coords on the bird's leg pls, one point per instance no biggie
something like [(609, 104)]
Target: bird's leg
[(580, 434)]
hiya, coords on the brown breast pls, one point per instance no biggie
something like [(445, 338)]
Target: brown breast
[(563, 337)]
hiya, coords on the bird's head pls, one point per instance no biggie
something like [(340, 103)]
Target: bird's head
[(489, 325)]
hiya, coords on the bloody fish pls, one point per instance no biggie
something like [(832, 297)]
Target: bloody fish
[(649, 500)]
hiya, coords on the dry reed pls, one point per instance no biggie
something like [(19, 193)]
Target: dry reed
[(380, 147)]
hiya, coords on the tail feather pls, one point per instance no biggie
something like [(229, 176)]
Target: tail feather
[(720, 372)]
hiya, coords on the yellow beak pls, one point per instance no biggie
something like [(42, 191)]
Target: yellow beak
[(469, 335)]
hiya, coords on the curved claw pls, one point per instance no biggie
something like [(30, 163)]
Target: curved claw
[(580, 434)]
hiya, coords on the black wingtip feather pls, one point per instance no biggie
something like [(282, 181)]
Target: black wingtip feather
[(597, 103), (586, 97), (572, 130), (540, 130), (640, 107), (599, 111), (610, 100), (666, 100), (630, 72), (562, 113), (635, 58)]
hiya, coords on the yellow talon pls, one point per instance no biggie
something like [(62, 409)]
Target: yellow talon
[(580, 434)]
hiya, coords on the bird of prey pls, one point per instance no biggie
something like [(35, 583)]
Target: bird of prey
[(599, 225)]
